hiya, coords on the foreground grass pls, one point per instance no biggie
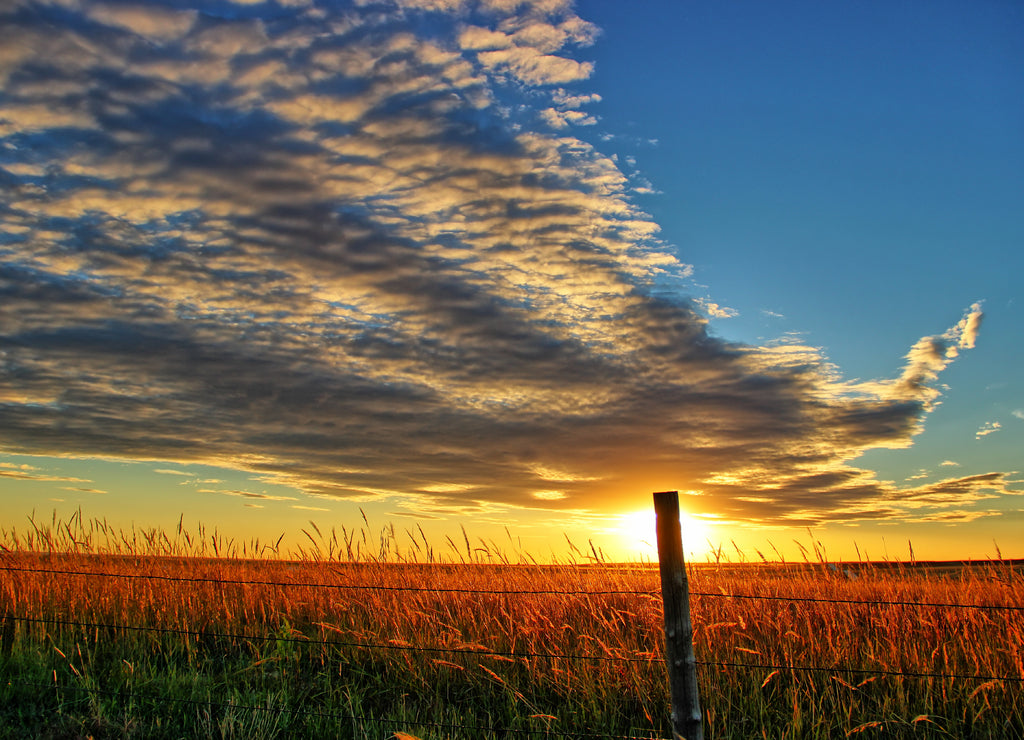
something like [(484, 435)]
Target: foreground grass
[(177, 644)]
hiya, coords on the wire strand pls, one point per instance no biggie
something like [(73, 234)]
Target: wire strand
[(650, 658), (334, 643), (861, 602), (342, 586), (511, 592), (860, 671)]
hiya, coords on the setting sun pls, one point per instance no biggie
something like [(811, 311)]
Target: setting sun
[(639, 538)]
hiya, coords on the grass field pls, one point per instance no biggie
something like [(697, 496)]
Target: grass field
[(149, 634)]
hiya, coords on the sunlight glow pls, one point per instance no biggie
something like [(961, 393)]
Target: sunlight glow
[(640, 541)]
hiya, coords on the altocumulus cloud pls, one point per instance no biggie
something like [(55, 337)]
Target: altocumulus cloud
[(359, 250)]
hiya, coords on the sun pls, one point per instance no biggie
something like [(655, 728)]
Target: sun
[(640, 541)]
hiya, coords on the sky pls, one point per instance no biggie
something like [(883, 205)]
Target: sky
[(511, 266)]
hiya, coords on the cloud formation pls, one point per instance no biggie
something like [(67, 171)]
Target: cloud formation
[(359, 251)]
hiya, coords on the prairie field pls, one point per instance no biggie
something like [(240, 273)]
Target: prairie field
[(151, 634)]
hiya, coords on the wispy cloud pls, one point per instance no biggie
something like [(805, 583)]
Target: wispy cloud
[(31, 473), (247, 494), (989, 427), (714, 310), (365, 255)]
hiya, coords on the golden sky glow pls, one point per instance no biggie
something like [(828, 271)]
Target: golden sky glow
[(640, 541)]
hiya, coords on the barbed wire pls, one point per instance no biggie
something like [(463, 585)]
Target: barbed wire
[(509, 592), (859, 671), (649, 658), (342, 586), (861, 602), (335, 643), (123, 695), (381, 643)]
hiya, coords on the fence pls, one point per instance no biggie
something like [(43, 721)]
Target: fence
[(644, 654)]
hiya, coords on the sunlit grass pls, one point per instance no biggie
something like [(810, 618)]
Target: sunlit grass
[(228, 626)]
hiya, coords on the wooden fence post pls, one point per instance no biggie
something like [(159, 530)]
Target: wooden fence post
[(687, 721)]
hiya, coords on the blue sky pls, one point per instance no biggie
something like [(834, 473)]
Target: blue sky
[(829, 154), (493, 263), (845, 175)]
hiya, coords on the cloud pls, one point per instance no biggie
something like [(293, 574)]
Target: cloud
[(153, 22), (534, 68), (716, 311), (1019, 413), (956, 517), (930, 355), (247, 494), (341, 250), (30, 473), (957, 491), (989, 427), (549, 495), (565, 118)]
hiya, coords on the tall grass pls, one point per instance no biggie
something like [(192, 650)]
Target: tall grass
[(365, 634)]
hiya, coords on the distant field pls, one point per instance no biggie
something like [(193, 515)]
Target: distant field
[(153, 639)]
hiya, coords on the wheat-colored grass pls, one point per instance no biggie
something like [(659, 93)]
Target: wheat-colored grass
[(360, 638)]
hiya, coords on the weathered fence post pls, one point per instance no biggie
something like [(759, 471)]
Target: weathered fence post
[(687, 721)]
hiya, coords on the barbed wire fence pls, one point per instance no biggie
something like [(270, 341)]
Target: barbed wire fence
[(306, 641), (512, 592), (654, 657)]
